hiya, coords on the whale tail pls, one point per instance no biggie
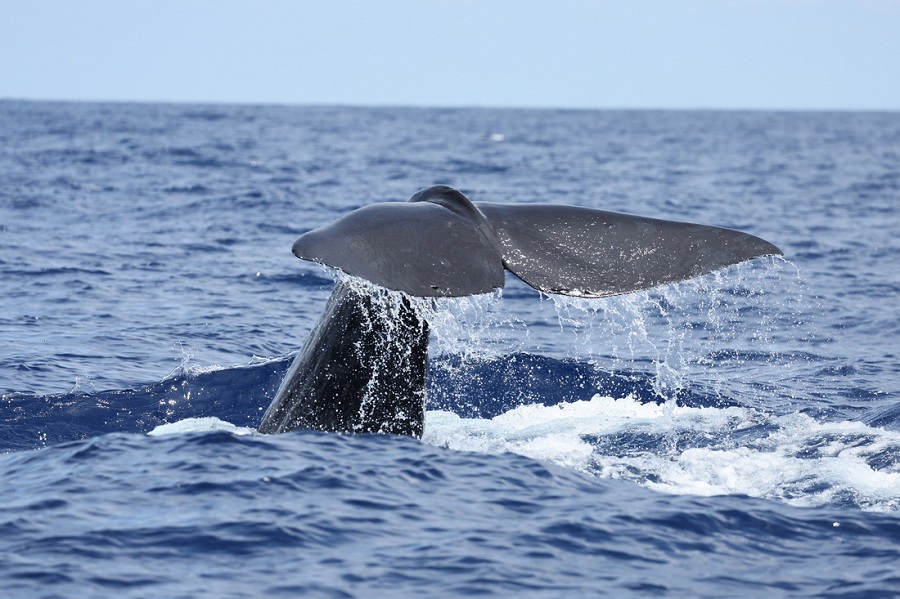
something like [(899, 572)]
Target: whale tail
[(363, 368), (442, 244)]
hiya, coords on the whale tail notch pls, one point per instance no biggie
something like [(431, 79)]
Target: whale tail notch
[(442, 244)]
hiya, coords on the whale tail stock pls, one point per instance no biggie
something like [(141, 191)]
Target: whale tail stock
[(440, 244), (362, 370)]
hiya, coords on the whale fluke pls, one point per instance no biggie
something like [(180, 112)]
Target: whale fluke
[(421, 249), (363, 368), (441, 244)]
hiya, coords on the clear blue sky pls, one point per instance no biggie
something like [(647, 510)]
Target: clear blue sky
[(764, 54)]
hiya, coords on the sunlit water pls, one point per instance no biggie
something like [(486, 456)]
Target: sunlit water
[(747, 419)]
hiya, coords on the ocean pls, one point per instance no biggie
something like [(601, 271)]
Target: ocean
[(733, 435)]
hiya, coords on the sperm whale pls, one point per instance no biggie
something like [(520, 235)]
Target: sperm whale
[(363, 368)]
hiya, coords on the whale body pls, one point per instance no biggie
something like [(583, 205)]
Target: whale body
[(363, 367)]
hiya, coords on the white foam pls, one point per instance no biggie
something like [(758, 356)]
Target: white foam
[(700, 451), (556, 433), (803, 462), (199, 425)]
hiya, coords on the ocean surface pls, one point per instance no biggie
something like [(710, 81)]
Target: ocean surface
[(734, 435)]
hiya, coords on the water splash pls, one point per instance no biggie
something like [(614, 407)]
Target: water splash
[(473, 327), (695, 331), (739, 325), (736, 329)]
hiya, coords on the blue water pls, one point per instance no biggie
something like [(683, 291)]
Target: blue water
[(735, 435)]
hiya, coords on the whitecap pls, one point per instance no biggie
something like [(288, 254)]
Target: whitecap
[(199, 425)]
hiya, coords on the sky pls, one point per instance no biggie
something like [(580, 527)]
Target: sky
[(633, 54)]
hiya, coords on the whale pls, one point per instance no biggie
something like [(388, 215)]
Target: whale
[(363, 368)]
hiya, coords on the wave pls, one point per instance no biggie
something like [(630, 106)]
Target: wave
[(705, 451), (470, 387), (237, 394), (127, 513), (559, 411)]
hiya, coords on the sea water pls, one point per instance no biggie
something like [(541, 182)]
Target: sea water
[(734, 435)]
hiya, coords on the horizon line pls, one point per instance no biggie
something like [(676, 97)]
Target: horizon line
[(417, 106)]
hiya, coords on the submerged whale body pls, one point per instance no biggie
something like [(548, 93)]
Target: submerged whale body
[(363, 368)]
